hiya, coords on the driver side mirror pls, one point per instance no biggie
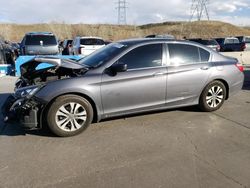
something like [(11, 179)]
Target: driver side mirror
[(114, 69), (120, 67)]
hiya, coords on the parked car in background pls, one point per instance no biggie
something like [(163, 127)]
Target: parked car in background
[(126, 77), (164, 36), (15, 48), (7, 54), (66, 45), (210, 43), (231, 44), (39, 43), (246, 40), (86, 45)]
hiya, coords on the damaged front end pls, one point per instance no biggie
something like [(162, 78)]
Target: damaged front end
[(23, 106)]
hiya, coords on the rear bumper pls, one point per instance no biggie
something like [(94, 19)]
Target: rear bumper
[(26, 112), (237, 86)]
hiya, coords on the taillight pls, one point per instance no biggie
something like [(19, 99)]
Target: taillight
[(218, 48), (243, 47), (240, 67)]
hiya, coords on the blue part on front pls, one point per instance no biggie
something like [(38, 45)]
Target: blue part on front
[(24, 59)]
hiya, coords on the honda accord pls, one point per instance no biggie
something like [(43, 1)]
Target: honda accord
[(126, 77)]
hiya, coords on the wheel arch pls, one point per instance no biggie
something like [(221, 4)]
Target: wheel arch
[(89, 99), (226, 86), (222, 81)]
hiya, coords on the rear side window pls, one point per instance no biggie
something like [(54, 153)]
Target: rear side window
[(91, 42), (183, 54), (143, 57), (40, 40)]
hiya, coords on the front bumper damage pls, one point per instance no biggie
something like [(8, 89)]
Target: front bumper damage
[(25, 111)]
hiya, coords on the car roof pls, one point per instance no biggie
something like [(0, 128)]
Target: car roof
[(89, 37), (144, 40), (138, 41), (141, 41), (39, 33)]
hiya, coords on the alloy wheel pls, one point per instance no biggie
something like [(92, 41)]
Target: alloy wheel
[(71, 116), (214, 96)]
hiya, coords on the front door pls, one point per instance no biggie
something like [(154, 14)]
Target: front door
[(141, 87)]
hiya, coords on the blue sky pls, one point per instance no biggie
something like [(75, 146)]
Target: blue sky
[(101, 11)]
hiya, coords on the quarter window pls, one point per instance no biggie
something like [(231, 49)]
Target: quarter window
[(205, 55), (143, 57)]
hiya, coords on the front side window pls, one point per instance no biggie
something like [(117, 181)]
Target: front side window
[(143, 57)]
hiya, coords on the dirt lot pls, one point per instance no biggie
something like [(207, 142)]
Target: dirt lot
[(175, 148)]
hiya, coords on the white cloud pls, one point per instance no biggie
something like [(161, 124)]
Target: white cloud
[(101, 11), (229, 6)]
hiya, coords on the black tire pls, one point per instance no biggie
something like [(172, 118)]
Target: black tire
[(70, 128), (217, 100)]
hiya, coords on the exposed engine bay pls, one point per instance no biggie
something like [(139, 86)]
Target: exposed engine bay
[(56, 69)]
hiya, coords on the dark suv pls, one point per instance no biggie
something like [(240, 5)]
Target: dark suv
[(39, 43)]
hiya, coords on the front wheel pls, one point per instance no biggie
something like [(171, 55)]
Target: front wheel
[(212, 97), (69, 115)]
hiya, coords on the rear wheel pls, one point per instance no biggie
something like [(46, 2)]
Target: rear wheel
[(213, 96), (69, 115)]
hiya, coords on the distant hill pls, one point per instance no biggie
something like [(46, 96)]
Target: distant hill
[(203, 29)]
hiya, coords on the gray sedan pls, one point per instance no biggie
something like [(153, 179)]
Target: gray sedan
[(127, 77)]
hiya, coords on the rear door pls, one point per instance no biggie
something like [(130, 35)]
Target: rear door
[(141, 87), (188, 72)]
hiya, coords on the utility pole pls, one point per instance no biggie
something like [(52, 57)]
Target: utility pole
[(199, 8), (122, 12)]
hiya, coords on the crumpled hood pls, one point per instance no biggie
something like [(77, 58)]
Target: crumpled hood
[(41, 62)]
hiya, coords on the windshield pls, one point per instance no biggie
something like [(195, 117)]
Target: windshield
[(103, 55)]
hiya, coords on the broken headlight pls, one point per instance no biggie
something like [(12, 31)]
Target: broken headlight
[(27, 92)]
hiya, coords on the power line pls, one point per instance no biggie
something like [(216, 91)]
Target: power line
[(122, 12)]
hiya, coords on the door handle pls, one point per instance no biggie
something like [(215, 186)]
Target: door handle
[(158, 74), (205, 68)]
